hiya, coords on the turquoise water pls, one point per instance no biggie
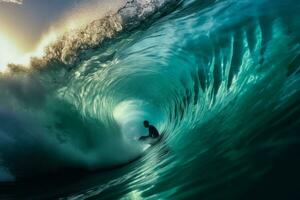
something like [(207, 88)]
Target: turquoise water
[(219, 79)]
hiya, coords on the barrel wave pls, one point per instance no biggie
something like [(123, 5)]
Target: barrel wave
[(219, 79)]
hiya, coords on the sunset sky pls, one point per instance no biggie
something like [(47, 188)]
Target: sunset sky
[(26, 24), (26, 21)]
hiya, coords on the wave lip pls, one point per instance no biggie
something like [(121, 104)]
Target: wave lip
[(72, 47)]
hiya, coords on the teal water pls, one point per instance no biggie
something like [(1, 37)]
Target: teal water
[(219, 79)]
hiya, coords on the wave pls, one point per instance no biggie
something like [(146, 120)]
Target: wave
[(40, 115), (202, 75)]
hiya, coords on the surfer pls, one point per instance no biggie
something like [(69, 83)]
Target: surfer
[(153, 132)]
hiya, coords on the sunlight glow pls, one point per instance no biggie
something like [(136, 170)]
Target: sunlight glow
[(11, 54), (46, 40), (9, 51)]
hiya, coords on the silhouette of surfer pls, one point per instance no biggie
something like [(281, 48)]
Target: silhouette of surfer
[(153, 132)]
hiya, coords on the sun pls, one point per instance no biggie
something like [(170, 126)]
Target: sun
[(9, 51)]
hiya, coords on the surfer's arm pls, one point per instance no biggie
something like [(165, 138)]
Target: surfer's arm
[(150, 134)]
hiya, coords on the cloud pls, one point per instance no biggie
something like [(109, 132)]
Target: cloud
[(12, 1)]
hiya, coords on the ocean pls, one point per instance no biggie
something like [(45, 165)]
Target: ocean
[(220, 79)]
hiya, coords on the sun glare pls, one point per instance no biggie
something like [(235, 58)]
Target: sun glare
[(9, 52)]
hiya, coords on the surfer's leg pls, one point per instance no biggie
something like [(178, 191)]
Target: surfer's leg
[(143, 137)]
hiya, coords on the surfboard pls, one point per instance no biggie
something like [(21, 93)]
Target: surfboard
[(150, 140)]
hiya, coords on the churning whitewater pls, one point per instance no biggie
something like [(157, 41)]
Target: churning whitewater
[(219, 79)]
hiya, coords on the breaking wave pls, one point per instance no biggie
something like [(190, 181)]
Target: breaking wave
[(205, 76)]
